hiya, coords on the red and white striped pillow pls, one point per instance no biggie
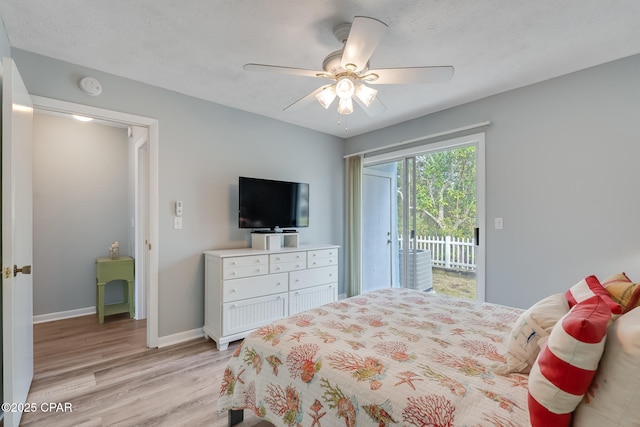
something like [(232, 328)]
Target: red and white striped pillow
[(614, 395), (588, 287), (567, 363)]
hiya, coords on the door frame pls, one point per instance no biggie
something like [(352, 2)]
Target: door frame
[(151, 276), (477, 139)]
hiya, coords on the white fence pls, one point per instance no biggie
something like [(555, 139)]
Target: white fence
[(447, 251)]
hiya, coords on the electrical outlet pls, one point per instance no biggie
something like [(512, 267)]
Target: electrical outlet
[(177, 223)]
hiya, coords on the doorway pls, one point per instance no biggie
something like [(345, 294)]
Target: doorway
[(431, 237), (143, 133)]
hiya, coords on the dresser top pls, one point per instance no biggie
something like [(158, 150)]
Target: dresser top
[(222, 253)]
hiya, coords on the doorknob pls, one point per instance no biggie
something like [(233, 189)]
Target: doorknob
[(24, 270)]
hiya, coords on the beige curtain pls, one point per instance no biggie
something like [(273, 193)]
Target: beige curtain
[(354, 225)]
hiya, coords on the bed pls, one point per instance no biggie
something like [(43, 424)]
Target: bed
[(388, 357)]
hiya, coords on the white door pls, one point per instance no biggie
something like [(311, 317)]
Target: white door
[(377, 223), (17, 287)]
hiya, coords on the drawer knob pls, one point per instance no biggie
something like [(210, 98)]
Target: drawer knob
[(279, 284), (233, 290), (233, 273)]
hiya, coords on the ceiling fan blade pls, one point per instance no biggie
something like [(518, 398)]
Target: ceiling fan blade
[(388, 76), (305, 100), (364, 36), (282, 70), (376, 107)]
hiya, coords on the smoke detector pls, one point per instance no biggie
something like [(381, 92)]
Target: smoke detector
[(90, 86)]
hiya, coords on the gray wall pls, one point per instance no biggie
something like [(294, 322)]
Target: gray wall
[(204, 147), (80, 206), (561, 163)]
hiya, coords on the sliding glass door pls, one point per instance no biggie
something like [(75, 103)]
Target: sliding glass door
[(422, 211)]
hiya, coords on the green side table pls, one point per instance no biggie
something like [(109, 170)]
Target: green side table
[(107, 270)]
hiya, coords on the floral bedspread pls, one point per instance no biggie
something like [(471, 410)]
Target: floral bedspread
[(390, 357)]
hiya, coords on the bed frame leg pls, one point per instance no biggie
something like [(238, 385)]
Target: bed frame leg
[(235, 416)]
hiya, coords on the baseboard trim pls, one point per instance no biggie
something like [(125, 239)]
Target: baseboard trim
[(180, 337), (50, 317)]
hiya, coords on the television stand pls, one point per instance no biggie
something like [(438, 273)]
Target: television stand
[(274, 241)]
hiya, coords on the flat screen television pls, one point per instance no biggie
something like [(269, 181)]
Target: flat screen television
[(265, 203)]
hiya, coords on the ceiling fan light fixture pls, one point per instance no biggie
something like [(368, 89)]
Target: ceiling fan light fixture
[(345, 87), (326, 96), (366, 94), (345, 106)]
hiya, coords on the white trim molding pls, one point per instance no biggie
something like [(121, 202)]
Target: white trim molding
[(180, 337), (51, 317)]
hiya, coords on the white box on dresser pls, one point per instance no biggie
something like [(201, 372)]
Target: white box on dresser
[(247, 288)]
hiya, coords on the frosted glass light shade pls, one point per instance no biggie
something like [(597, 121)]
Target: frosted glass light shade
[(345, 87), (345, 106), (366, 94), (326, 96)]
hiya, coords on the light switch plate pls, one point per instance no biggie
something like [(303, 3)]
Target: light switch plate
[(499, 224)]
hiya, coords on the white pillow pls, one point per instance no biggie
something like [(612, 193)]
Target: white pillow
[(614, 397), (537, 322)]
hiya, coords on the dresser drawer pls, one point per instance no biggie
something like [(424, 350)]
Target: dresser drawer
[(249, 287), (287, 257), (317, 276), (237, 267), (245, 261), (322, 253), (323, 262), (252, 313), (287, 266)]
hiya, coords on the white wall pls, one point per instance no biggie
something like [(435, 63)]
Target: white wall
[(80, 206), (203, 148), (561, 159)]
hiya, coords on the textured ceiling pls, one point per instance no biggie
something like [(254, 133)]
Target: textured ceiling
[(198, 47)]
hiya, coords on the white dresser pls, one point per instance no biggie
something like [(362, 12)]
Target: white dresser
[(247, 288)]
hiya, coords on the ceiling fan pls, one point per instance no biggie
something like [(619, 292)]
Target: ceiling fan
[(348, 69)]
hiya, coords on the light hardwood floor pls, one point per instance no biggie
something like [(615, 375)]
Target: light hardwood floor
[(109, 377)]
